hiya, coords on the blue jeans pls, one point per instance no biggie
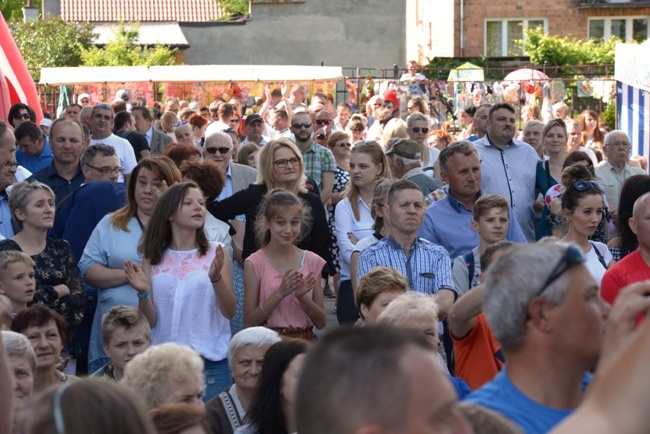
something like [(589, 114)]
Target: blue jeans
[(217, 378)]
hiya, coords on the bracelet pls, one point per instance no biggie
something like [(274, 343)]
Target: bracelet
[(263, 311), (145, 294), (216, 281)]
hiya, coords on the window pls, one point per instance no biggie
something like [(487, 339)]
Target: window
[(629, 29), (505, 37)]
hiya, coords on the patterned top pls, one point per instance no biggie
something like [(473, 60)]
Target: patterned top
[(341, 179), (187, 305), (107, 372), (317, 160), (56, 265)]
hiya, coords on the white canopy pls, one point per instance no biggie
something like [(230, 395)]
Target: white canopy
[(188, 74), (632, 65)]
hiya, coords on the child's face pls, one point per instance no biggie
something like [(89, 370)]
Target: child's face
[(18, 283), (285, 225), (493, 225), (125, 344)]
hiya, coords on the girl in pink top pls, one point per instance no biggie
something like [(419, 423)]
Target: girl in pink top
[(282, 288)]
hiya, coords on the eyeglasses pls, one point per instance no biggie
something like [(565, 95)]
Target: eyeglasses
[(107, 170), (418, 129), (234, 121), (178, 124), (23, 116), (301, 125), (344, 145), (572, 256), (323, 121), (214, 150), (283, 163), (623, 145)]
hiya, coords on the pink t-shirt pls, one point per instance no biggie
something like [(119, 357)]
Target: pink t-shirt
[(287, 314)]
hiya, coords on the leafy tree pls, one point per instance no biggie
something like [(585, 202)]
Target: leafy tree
[(13, 9), (233, 8), (50, 42), (557, 51), (124, 51)]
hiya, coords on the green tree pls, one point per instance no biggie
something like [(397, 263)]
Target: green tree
[(233, 8), (558, 51), (13, 9), (124, 51), (50, 42)]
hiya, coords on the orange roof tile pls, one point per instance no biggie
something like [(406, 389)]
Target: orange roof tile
[(140, 10)]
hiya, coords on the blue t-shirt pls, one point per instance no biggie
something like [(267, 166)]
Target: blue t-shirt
[(503, 397)]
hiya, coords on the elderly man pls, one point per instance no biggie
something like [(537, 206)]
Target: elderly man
[(101, 123), (460, 167), (33, 153), (375, 380), (480, 122), (508, 166), (254, 126), (426, 265), (246, 351), (218, 148), (574, 143), (614, 171), (405, 162), (64, 174), (144, 125), (543, 307), (318, 160), (532, 134), (8, 166)]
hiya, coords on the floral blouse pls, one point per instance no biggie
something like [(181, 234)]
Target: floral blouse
[(54, 266)]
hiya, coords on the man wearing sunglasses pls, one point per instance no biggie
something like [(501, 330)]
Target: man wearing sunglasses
[(323, 129), (318, 160), (219, 148), (543, 306), (614, 171)]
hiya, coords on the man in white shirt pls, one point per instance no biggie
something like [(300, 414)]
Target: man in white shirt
[(101, 122)]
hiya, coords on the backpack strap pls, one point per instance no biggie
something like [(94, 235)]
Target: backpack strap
[(231, 411), (469, 261), (600, 255)]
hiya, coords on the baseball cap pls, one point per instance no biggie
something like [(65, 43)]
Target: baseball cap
[(253, 118), (406, 148), (45, 122)]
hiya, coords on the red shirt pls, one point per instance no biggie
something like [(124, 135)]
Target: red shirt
[(631, 269)]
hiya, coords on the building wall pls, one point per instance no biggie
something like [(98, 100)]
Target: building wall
[(563, 17), (364, 33), (430, 26)]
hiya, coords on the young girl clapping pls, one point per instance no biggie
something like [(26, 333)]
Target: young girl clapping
[(282, 282)]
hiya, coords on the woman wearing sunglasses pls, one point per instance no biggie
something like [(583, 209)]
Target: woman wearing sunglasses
[(582, 206)]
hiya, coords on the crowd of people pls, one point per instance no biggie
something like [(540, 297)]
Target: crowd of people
[(490, 281)]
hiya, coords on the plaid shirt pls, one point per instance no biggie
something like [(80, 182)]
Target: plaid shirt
[(317, 160), (427, 266)]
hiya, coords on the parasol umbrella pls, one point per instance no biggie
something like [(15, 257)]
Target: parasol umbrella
[(466, 72), (525, 74)]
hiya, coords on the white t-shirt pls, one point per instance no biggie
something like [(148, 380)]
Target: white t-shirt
[(594, 264), (124, 151)]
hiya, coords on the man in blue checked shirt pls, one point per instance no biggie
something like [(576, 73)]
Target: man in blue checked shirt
[(426, 265)]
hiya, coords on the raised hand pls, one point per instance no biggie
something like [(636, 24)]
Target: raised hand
[(290, 282), (306, 285), (217, 264), (135, 276)]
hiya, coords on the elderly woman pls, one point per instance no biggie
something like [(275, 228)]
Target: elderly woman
[(280, 165), (227, 411), (58, 280), (167, 374), (115, 240), (184, 133), (92, 406), (22, 363), (45, 330), (414, 310), (377, 290)]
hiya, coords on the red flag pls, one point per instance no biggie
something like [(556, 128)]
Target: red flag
[(16, 83)]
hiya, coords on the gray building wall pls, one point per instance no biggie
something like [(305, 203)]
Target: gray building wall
[(348, 33)]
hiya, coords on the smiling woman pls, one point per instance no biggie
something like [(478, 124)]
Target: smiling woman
[(58, 280)]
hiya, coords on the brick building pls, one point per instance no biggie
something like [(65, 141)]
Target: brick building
[(493, 27)]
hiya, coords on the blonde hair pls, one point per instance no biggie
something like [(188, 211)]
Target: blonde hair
[(167, 121), (378, 281), (8, 257), (265, 175), (408, 306), (21, 194), (394, 129), (152, 374), (378, 157)]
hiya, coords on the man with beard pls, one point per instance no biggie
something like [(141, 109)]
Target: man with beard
[(508, 166)]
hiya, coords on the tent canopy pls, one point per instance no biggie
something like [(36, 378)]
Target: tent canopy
[(188, 74), (466, 72), (632, 65)]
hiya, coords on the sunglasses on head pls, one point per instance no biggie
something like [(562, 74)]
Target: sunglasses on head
[(418, 129), (572, 256), (301, 125), (214, 150), (584, 185), (323, 121), (178, 124)]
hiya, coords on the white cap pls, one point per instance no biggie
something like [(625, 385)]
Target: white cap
[(45, 122)]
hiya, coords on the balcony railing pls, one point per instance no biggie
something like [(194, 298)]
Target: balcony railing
[(612, 3)]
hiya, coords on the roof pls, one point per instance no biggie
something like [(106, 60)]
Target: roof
[(189, 74), (140, 10), (168, 34)]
